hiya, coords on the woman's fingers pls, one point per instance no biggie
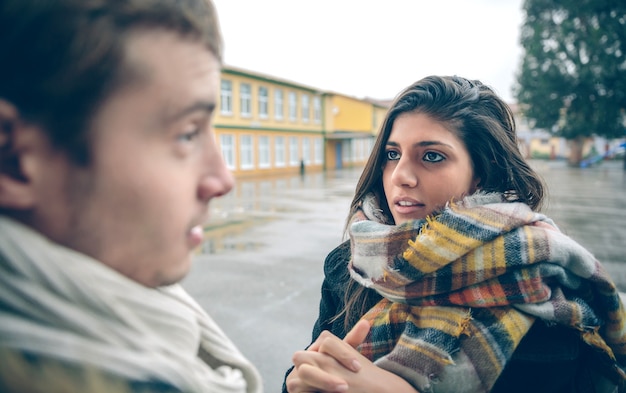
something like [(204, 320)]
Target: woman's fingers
[(314, 371), (359, 332), (323, 336), (319, 367), (312, 378), (342, 352)]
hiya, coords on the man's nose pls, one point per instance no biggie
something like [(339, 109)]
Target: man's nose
[(217, 179)]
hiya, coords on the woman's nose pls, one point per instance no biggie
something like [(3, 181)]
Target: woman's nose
[(404, 174)]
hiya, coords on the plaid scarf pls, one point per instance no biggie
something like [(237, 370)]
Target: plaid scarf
[(462, 287)]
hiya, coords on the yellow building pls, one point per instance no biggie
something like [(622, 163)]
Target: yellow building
[(267, 125), (351, 125)]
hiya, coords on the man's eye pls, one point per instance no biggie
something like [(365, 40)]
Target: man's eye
[(393, 155), (189, 136), (433, 157)]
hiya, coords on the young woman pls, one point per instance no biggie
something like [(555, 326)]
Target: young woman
[(466, 287)]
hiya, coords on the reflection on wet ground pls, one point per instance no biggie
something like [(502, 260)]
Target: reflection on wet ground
[(589, 205), (256, 201), (228, 236)]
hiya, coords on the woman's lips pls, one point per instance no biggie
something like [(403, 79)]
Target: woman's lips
[(408, 206)]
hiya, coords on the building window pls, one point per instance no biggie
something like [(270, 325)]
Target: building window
[(228, 150), (354, 145), (294, 159), (278, 104), (263, 102), (245, 152), (306, 150), (305, 108), (318, 153), (245, 97), (293, 106), (346, 148), (317, 110), (226, 97), (279, 151), (362, 149), (264, 151)]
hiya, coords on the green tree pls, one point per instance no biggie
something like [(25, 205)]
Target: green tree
[(572, 80)]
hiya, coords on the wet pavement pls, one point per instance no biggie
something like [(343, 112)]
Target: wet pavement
[(260, 269)]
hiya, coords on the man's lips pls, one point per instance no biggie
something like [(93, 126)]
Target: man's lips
[(196, 232), (196, 235)]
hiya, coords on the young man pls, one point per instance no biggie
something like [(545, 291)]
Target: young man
[(107, 165)]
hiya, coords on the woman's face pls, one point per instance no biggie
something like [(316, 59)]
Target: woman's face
[(425, 166)]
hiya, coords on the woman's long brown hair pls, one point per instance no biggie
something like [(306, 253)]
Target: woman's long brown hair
[(482, 121)]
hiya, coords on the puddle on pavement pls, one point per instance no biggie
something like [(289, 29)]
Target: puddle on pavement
[(229, 236), (253, 202)]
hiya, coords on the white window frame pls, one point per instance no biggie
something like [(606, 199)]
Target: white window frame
[(306, 108), (226, 97), (362, 149), (306, 150), (227, 146), (264, 151), (278, 104), (346, 149), (279, 151), (318, 152), (317, 109), (245, 100), (246, 152), (294, 156), (263, 102), (293, 106), (354, 146)]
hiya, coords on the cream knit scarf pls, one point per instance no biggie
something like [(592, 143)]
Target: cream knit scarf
[(58, 303)]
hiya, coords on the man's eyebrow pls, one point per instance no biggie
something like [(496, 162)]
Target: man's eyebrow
[(200, 106)]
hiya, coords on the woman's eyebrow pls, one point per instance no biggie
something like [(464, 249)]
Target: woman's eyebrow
[(420, 144), (430, 143)]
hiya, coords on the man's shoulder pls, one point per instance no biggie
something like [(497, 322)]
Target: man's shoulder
[(20, 372)]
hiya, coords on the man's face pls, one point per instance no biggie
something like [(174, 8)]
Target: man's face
[(140, 205)]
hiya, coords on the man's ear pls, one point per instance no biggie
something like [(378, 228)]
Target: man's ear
[(16, 191)]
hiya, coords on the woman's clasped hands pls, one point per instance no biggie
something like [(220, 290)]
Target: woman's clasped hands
[(331, 364)]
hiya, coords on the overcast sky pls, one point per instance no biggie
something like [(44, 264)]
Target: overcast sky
[(374, 48)]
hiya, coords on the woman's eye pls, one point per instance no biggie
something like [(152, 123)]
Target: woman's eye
[(431, 156), (393, 155)]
